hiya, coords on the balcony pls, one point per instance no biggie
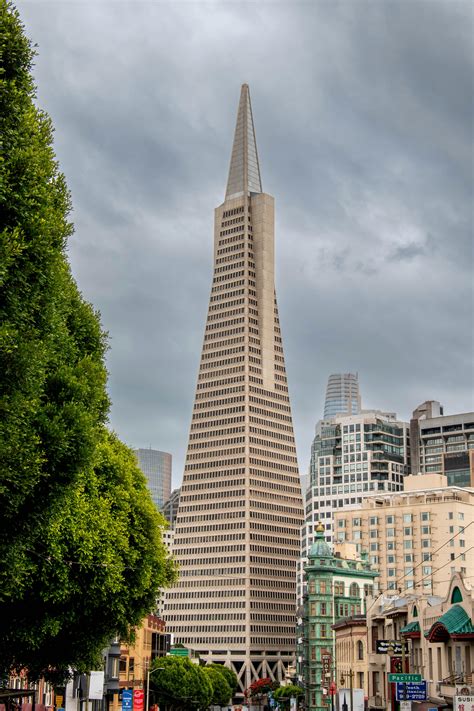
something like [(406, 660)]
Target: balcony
[(452, 685)]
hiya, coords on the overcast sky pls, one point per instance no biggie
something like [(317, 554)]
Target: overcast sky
[(364, 121)]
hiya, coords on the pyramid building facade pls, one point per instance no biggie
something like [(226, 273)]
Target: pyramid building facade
[(240, 511)]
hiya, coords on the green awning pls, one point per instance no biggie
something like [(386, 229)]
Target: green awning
[(455, 622), (411, 627)]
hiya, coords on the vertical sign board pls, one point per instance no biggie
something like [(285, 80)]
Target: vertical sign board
[(127, 700), (345, 699), (138, 699), (464, 703), (96, 685)]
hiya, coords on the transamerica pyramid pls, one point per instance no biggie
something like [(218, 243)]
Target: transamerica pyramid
[(238, 523)]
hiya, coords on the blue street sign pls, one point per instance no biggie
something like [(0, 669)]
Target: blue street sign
[(127, 700), (411, 691)]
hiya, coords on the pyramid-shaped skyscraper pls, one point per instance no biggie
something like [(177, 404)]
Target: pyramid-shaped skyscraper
[(240, 511)]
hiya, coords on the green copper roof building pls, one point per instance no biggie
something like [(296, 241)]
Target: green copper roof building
[(335, 588)]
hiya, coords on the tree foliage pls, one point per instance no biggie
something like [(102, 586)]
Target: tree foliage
[(260, 687), (81, 556), (229, 674), (284, 693), (180, 684), (223, 681)]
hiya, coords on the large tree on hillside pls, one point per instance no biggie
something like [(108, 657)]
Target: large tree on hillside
[(81, 556)]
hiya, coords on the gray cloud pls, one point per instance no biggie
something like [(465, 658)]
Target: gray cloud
[(365, 133)]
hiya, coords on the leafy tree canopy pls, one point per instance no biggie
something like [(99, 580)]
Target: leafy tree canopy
[(221, 690), (260, 687), (286, 692), (180, 684), (229, 674), (81, 556)]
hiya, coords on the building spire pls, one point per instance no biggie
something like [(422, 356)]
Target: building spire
[(244, 171)]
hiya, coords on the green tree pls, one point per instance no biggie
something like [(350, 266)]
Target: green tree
[(180, 685), (283, 694), (229, 674), (81, 556), (221, 689)]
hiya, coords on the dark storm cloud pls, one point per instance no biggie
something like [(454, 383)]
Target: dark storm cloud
[(364, 126)]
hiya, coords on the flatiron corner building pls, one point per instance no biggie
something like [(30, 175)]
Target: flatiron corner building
[(240, 511)]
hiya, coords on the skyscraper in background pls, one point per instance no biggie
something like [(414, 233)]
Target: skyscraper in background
[(156, 466), (342, 395), (237, 528)]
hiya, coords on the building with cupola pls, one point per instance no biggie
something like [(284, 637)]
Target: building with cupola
[(335, 588)]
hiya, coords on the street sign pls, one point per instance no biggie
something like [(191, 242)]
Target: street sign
[(464, 703), (179, 652), (127, 696), (389, 646), (409, 691), (393, 678)]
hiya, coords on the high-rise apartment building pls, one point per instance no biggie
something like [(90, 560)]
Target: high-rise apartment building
[(416, 538), (170, 507), (156, 466), (351, 455), (237, 528), (342, 395), (442, 444)]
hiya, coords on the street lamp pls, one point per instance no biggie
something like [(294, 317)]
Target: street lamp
[(148, 672)]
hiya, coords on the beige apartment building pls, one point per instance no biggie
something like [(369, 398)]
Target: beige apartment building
[(236, 536), (417, 538)]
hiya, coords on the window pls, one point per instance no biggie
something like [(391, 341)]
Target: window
[(391, 572), (388, 519), (374, 533), (407, 518), (360, 650), (408, 531), (461, 516), (341, 523), (354, 590), (426, 556), (425, 515), (324, 631), (373, 520), (407, 544), (450, 515), (425, 543), (390, 533)]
